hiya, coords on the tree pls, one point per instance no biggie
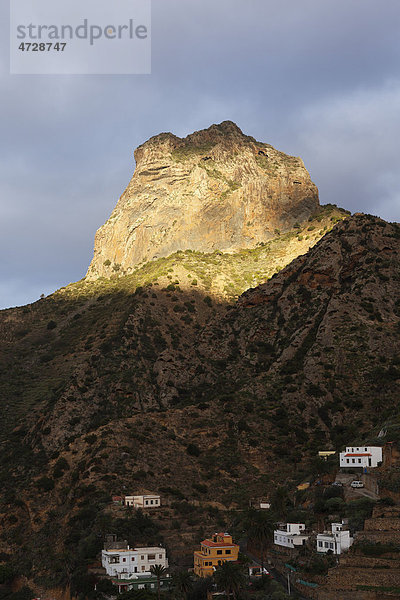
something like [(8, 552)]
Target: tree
[(158, 571), (260, 528), (182, 584), (280, 501), (201, 587), (230, 577), (6, 574)]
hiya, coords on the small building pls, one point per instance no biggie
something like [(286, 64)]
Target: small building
[(361, 456), (290, 535), (213, 552), (144, 501), (121, 561), (337, 541), (324, 454), (260, 503)]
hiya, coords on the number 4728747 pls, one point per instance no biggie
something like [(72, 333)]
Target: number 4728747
[(42, 47)]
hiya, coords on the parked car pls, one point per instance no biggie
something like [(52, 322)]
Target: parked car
[(337, 483), (357, 484)]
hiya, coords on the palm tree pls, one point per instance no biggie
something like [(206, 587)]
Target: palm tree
[(158, 571), (229, 576), (280, 501), (182, 584), (260, 529)]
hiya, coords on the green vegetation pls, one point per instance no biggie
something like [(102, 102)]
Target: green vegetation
[(190, 150)]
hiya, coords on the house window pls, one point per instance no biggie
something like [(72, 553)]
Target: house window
[(354, 460), (227, 551), (320, 544), (347, 460), (326, 544), (152, 557), (151, 502), (133, 558), (219, 551), (124, 560), (331, 545), (143, 568), (142, 557), (160, 556)]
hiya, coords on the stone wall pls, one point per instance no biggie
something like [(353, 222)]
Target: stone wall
[(391, 524)]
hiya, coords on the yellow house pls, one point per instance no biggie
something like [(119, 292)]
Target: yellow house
[(214, 552)]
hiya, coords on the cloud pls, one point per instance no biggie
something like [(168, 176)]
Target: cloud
[(350, 143), (316, 79)]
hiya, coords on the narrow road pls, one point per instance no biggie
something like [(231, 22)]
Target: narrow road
[(275, 574)]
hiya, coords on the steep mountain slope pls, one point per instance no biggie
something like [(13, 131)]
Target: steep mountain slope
[(216, 189), (109, 386), (150, 374)]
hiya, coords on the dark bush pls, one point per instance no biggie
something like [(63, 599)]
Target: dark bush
[(6, 574), (193, 450), (45, 483), (60, 467)]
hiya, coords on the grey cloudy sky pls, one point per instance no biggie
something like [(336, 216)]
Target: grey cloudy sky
[(315, 78)]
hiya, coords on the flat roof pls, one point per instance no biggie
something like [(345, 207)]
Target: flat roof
[(287, 533), (145, 549), (217, 544)]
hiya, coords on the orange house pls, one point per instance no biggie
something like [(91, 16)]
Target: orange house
[(214, 552)]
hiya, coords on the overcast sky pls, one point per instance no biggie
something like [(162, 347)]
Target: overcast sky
[(315, 78)]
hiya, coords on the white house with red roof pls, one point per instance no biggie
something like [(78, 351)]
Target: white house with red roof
[(361, 456)]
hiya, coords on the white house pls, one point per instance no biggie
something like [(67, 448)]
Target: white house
[(124, 563), (146, 501), (337, 542), (291, 535), (361, 456)]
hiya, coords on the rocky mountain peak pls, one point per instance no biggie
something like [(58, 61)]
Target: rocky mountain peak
[(216, 189)]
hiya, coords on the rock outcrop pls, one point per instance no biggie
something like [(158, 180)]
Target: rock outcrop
[(216, 189)]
